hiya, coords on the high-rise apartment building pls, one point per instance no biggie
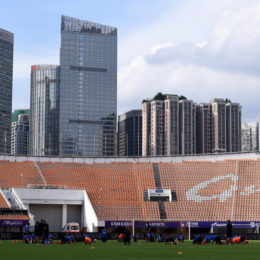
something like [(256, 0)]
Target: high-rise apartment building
[(218, 127), (249, 137), (44, 110), (20, 133), (233, 127), (146, 128), (130, 133), (169, 126), (218, 106), (187, 127), (6, 83), (226, 120), (204, 132), (88, 88), (173, 125), (157, 128)]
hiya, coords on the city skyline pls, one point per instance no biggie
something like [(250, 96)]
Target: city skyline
[(183, 58)]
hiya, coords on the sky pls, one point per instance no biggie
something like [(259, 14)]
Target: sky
[(197, 48)]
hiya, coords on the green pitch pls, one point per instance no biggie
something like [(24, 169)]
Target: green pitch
[(114, 250)]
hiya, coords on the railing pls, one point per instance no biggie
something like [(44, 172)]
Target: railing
[(13, 212), (73, 157), (47, 186), (53, 187), (17, 199)]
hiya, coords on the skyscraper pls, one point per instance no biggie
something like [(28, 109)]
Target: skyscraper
[(218, 127), (130, 133), (204, 140), (6, 83), (20, 134), (187, 127), (172, 125), (44, 110), (153, 127), (218, 106), (88, 88), (249, 137), (233, 111), (169, 126), (146, 128)]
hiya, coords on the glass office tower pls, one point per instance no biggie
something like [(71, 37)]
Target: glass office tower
[(44, 110), (6, 83), (88, 88)]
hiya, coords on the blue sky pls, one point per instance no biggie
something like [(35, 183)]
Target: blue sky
[(199, 48)]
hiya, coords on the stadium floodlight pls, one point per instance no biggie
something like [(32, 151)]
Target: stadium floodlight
[(178, 226)]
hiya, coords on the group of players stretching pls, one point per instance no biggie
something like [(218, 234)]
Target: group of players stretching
[(230, 239), (199, 239)]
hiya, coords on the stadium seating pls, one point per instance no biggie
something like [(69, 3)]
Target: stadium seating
[(3, 203), (181, 177), (14, 217), (115, 190), (206, 190), (18, 174)]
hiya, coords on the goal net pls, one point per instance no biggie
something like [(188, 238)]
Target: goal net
[(169, 228)]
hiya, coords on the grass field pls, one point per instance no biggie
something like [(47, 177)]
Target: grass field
[(139, 250)]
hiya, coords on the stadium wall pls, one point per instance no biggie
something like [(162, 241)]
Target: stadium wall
[(157, 159)]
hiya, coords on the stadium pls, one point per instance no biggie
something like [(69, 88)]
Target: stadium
[(189, 194)]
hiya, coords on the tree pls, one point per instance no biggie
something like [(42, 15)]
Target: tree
[(160, 96), (182, 98)]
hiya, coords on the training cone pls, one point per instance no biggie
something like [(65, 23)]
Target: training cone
[(179, 253)]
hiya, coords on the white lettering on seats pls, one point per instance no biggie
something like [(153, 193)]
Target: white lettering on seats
[(249, 190), (192, 194)]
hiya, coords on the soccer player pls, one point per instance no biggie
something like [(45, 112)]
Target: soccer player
[(69, 240), (88, 240), (127, 236), (207, 239), (213, 238), (229, 232), (181, 238), (26, 228), (197, 240), (159, 238), (46, 230), (236, 239), (104, 235), (239, 240), (149, 237)]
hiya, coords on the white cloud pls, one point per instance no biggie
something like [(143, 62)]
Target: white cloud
[(158, 47), (225, 63)]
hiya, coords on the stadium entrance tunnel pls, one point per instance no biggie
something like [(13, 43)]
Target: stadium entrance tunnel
[(58, 207)]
